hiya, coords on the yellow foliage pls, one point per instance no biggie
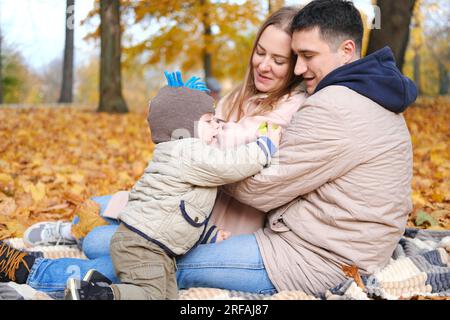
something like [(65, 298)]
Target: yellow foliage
[(89, 218), (428, 124), (51, 160), (180, 38), (62, 157)]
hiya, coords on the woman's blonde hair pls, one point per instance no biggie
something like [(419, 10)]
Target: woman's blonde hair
[(236, 99)]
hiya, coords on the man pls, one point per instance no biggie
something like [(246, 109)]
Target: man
[(341, 193)]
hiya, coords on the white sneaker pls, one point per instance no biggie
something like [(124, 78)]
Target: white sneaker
[(47, 234)]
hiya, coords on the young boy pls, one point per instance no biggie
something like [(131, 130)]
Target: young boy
[(169, 207)]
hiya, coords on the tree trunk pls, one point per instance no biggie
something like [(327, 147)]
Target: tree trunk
[(444, 79), (207, 34), (394, 32), (66, 95), (207, 59), (111, 99), (274, 5), (417, 71)]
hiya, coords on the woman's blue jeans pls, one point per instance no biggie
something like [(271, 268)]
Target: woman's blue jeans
[(233, 264)]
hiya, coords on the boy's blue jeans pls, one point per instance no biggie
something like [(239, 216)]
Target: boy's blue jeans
[(233, 264)]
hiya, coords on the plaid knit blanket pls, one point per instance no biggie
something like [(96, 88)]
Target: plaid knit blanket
[(420, 266)]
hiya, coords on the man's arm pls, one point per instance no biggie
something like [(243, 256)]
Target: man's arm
[(314, 149)]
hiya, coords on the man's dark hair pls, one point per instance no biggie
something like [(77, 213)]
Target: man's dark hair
[(337, 20)]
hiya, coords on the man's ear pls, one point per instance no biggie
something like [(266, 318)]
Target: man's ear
[(348, 51)]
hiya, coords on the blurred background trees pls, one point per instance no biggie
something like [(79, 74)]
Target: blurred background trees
[(427, 59), (19, 82), (205, 38)]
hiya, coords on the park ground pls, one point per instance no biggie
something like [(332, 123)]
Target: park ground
[(51, 159)]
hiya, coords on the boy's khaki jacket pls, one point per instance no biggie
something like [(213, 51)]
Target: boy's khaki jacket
[(171, 203)]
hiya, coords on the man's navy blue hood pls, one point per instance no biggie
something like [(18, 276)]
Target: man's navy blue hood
[(376, 77)]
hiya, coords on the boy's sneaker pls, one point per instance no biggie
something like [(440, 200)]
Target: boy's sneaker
[(83, 290), (47, 234), (15, 265), (97, 278)]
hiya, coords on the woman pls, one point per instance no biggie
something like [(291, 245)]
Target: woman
[(265, 94), (270, 91)]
